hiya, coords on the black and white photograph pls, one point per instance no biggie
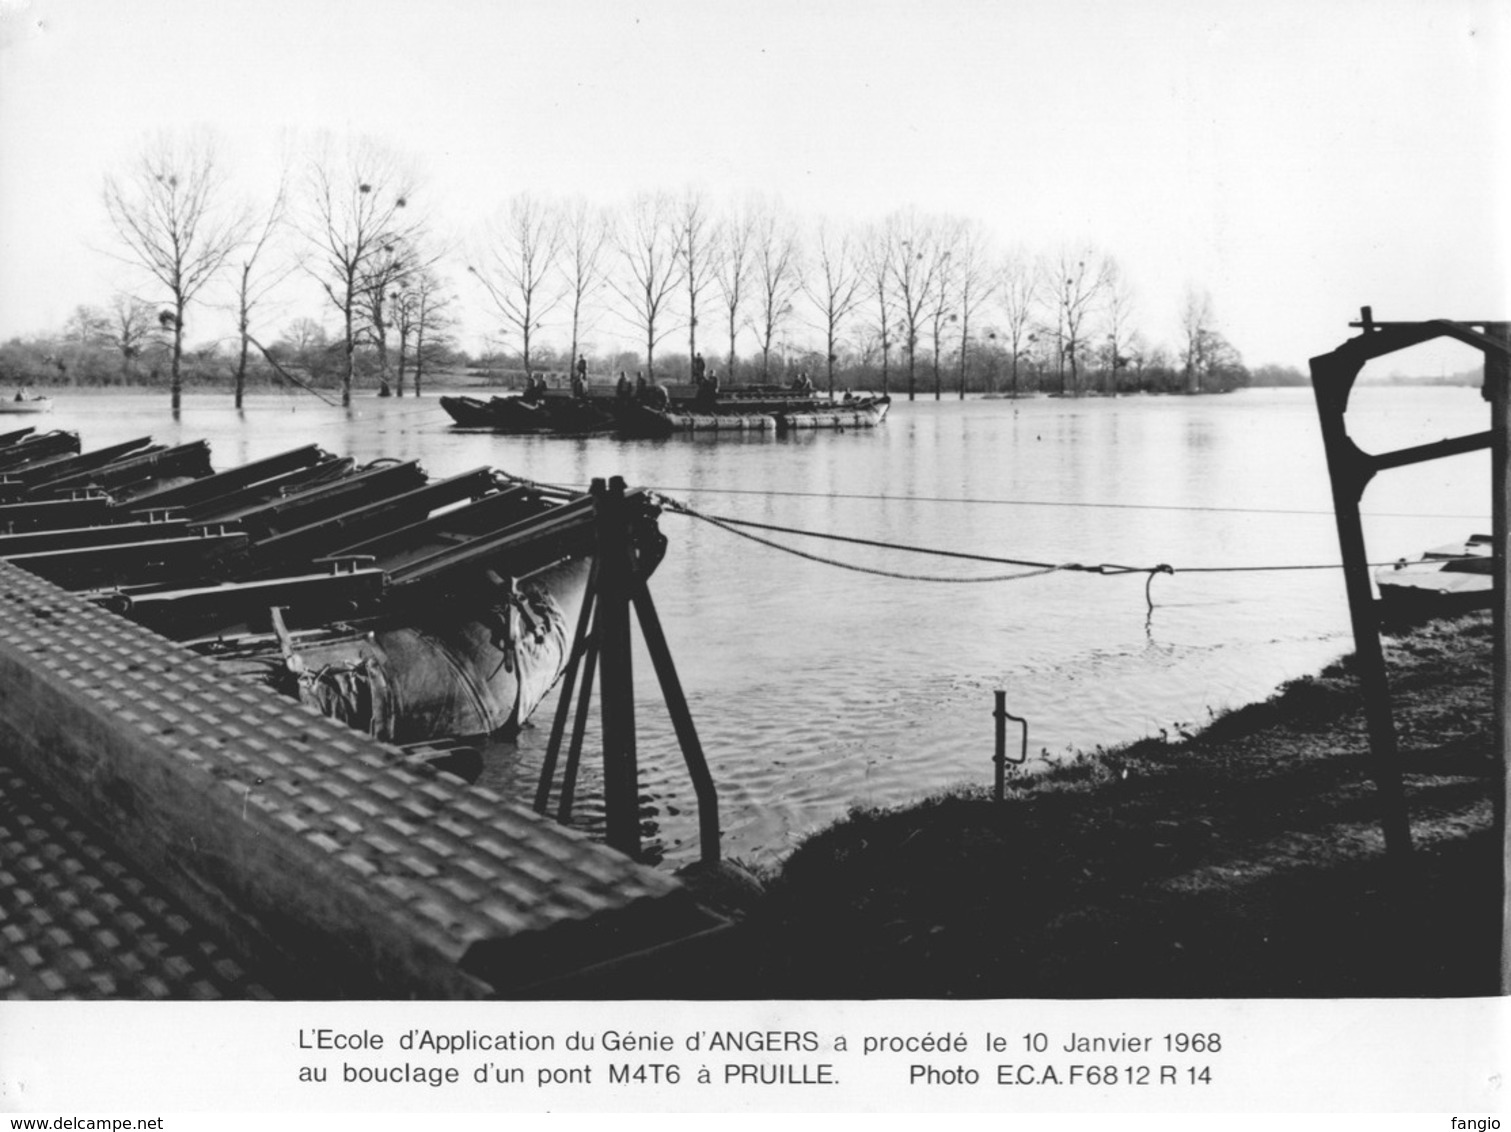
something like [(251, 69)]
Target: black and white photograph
[(565, 555)]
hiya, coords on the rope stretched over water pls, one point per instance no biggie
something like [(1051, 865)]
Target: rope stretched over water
[(1039, 568), (1031, 568), (877, 498), (1107, 569)]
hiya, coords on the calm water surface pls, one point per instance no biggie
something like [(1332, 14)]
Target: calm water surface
[(817, 688)]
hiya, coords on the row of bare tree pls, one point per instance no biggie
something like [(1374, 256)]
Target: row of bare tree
[(919, 293), (910, 291)]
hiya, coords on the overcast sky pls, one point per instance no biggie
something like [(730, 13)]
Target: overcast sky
[(1296, 159)]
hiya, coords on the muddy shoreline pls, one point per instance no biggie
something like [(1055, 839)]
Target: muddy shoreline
[(1246, 861)]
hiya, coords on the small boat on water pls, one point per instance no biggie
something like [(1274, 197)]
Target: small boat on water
[(469, 412), (516, 415), (26, 403), (1443, 581)]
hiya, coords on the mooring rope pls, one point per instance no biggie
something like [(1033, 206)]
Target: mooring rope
[(1039, 568), (1108, 569), (726, 521), (1072, 503), (1031, 568)]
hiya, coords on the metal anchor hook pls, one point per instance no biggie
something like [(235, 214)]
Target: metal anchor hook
[(1002, 715)]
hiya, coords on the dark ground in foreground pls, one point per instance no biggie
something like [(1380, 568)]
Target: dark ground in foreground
[(1245, 862)]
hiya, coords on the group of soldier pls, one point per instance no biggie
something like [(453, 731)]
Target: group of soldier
[(642, 391), (705, 381)]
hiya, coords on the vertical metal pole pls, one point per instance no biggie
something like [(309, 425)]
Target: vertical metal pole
[(1000, 759), (553, 745), (621, 778), (579, 729), (1349, 472), (1498, 391), (568, 684), (682, 721)]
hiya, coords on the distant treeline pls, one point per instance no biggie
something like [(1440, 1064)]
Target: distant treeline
[(308, 357), (319, 363), (94, 350), (915, 302)]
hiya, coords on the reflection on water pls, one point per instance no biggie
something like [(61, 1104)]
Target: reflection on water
[(816, 688)]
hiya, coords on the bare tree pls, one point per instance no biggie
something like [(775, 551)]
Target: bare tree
[(1079, 279), (940, 314), (168, 209), (433, 325), (914, 257), (699, 256), (385, 281), (834, 288), (1209, 359), (943, 292), (517, 267), (650, 250), (404, 305), (585, 234), (386, 304), (380, 279), (86, 326), (866, 345), (877, 266), (129, 329), (253, 284), (733, 262), (777, 272), (305, 334), (357, 213), (1138, 357), (975, 282), (1119, 322), (423, 313), (1019, 290)]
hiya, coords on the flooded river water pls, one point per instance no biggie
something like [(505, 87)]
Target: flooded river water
[(816, 688)]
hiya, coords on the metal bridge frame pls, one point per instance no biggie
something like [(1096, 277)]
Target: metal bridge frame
[(1350, 470), (603, 641)]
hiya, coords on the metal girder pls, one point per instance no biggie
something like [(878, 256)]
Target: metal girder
[(183, 459), (396, 547), (228, 505), (537, 539), (323, 500), (338, 532), (38, 447), (1350, 469), (232, 479), (43, 472), (158, 559), (49, 513), (205, 611), (32, 542)]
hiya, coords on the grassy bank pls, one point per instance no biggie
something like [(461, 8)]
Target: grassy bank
[(1244, 862)]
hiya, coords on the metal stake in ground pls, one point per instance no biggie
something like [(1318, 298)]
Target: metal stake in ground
[(1002, 715)]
